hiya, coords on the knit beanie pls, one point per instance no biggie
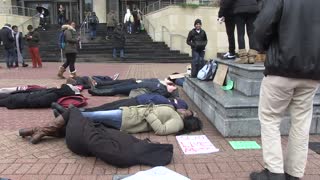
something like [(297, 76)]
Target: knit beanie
[(197, 21), (181, 104)]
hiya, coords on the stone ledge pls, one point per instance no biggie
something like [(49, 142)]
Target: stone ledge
[(234, 114)]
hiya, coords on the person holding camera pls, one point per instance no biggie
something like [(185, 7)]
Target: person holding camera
[(197, 39), (33, 39)]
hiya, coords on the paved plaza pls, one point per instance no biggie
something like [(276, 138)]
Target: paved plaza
[(50, 159)]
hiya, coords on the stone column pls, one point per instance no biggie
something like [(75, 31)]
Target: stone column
[(100, 7)]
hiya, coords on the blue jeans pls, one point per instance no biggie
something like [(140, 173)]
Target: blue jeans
[(114, 52), (197, 62), (129, 27), (9, 55), (93, 31), (112, 118)]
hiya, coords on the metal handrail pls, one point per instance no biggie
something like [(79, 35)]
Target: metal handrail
[(148, 27), (171, 36), (83, 27), (18, 10), (34, 21), (162, 4)]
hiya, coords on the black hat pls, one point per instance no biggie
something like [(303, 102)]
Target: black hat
[(197, 21)]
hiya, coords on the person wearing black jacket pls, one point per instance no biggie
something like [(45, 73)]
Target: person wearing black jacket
[(289, 32), (197, 39), (87, 138), (118, 40), (245, 12), (6, 36), (226, 15)]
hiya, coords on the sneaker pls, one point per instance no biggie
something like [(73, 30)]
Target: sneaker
[(229, 55), (115, 77), (267, 175)]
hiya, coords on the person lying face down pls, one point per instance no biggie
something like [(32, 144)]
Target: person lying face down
[(139, 100), (87, 138), (36, 98)]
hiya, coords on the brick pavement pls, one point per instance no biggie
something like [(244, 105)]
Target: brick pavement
[(51, 159)]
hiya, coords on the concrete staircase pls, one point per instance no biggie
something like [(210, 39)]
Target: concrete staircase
[(138, 48)]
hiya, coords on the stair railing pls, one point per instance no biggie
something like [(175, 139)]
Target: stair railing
[(17, 10), (34, 21), (147, 26), (184, 47), (83, 28)]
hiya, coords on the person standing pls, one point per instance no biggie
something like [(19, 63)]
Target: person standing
[(33, 39), (61, 15), (93, 22), (197, 39), (111, 23), (7, 38), (292, 76), (19, 47), (118, 41), (70, 50), (128, 21), (226, 15), (245, 12)]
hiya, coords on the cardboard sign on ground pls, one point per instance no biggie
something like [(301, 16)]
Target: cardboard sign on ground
[(196, 144), (177, 76), (221, 74), (157, 173), (244, 145)]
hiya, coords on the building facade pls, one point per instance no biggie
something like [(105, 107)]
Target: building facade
[(76, 10)]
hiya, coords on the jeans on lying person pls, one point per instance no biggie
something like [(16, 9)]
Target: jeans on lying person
[(111, 118)]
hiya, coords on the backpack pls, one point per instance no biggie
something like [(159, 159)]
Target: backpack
[(208, 71), (93, 20), (77, 101), (62, 41)]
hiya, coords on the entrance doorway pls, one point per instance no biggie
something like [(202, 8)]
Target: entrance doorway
[(71, 10), (124, 4)]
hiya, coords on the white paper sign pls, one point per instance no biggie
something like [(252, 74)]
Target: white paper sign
[(196, 144), (157, 173)]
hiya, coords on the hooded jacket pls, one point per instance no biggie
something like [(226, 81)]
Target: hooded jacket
[(162, 119), (289, 31), (127, 16), (71, 40), (6, 36)]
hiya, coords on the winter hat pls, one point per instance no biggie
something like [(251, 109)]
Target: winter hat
[(197, 21), (181, 104)]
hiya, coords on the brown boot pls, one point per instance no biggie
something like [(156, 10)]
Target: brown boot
[(243, 55), (50, 129), (252, 54), (60, 72), (26, 132), (73, 74)]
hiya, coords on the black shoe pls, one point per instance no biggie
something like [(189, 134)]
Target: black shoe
[(25, 65), (266, 175), (289, 177), (58, 107)]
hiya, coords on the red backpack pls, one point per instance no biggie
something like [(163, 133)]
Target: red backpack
[(77, 101)]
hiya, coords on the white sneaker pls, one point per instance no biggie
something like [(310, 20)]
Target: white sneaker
[(225, 56), (115, 77)]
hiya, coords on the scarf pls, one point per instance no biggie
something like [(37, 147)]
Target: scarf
[(19, 53)]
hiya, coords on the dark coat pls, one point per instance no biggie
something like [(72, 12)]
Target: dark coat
[(34, 41), (7, 38), (197, 41), (35, 98), (118, 38), (226, 8), (245, 6), (85, 137), (289, 31)]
